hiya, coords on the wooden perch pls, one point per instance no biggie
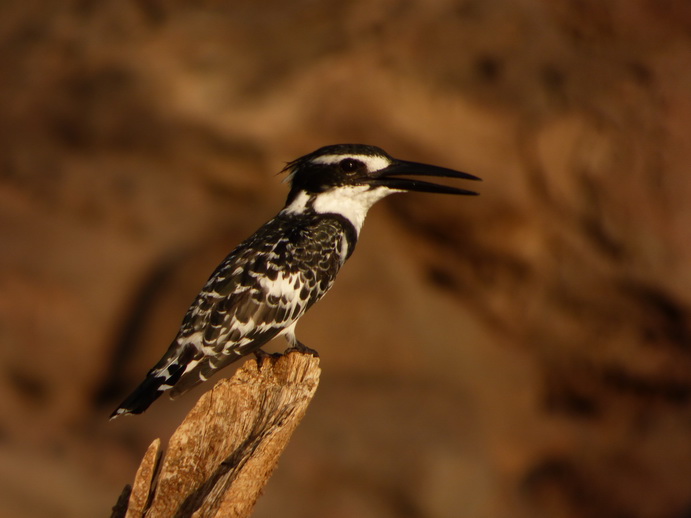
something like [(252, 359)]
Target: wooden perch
[(223, 453)]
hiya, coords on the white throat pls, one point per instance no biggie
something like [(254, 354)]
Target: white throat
[(351, 202)]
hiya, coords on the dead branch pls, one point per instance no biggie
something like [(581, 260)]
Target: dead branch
[(223, 453)]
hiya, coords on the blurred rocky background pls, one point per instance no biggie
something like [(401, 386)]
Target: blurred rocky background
[(525, 353)]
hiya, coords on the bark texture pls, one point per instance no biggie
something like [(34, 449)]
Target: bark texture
[(223, 453)]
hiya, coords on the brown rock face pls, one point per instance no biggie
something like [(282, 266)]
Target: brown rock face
[(525, 353)]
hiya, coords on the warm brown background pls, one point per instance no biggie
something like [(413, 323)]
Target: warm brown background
[(525, 353)]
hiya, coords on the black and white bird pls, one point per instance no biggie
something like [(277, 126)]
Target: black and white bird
[(270, 280)]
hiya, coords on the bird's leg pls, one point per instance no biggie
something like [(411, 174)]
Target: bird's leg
[(298, 346)]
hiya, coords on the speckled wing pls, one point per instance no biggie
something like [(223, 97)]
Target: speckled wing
[(260, 290)]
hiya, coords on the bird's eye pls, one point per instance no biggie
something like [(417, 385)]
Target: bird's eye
[(349, 165)]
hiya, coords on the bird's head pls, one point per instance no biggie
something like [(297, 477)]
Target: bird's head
[(348, 179)]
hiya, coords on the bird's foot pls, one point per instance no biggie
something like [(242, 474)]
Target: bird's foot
[(260, 354), (301, 348)]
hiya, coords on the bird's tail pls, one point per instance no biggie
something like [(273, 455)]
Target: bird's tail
[(157, 381), (139, 400)]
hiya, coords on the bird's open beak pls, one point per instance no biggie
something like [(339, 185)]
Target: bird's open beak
[(388, 177)]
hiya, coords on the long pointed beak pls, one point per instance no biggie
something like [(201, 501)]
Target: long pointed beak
[(388, 177)]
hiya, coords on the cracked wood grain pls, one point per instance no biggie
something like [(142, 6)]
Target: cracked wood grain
[(223, 453)]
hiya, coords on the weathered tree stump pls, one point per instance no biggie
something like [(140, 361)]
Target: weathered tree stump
[(224, 452)]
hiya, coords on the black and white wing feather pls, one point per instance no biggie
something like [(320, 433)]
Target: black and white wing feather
[(257, 293)]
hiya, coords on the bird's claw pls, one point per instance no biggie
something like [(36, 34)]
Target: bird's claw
[(260, 354), (303, 349)]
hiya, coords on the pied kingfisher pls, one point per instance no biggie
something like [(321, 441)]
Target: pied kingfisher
[(271, 279)]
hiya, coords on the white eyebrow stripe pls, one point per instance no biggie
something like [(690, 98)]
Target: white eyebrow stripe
[(373, 163)]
